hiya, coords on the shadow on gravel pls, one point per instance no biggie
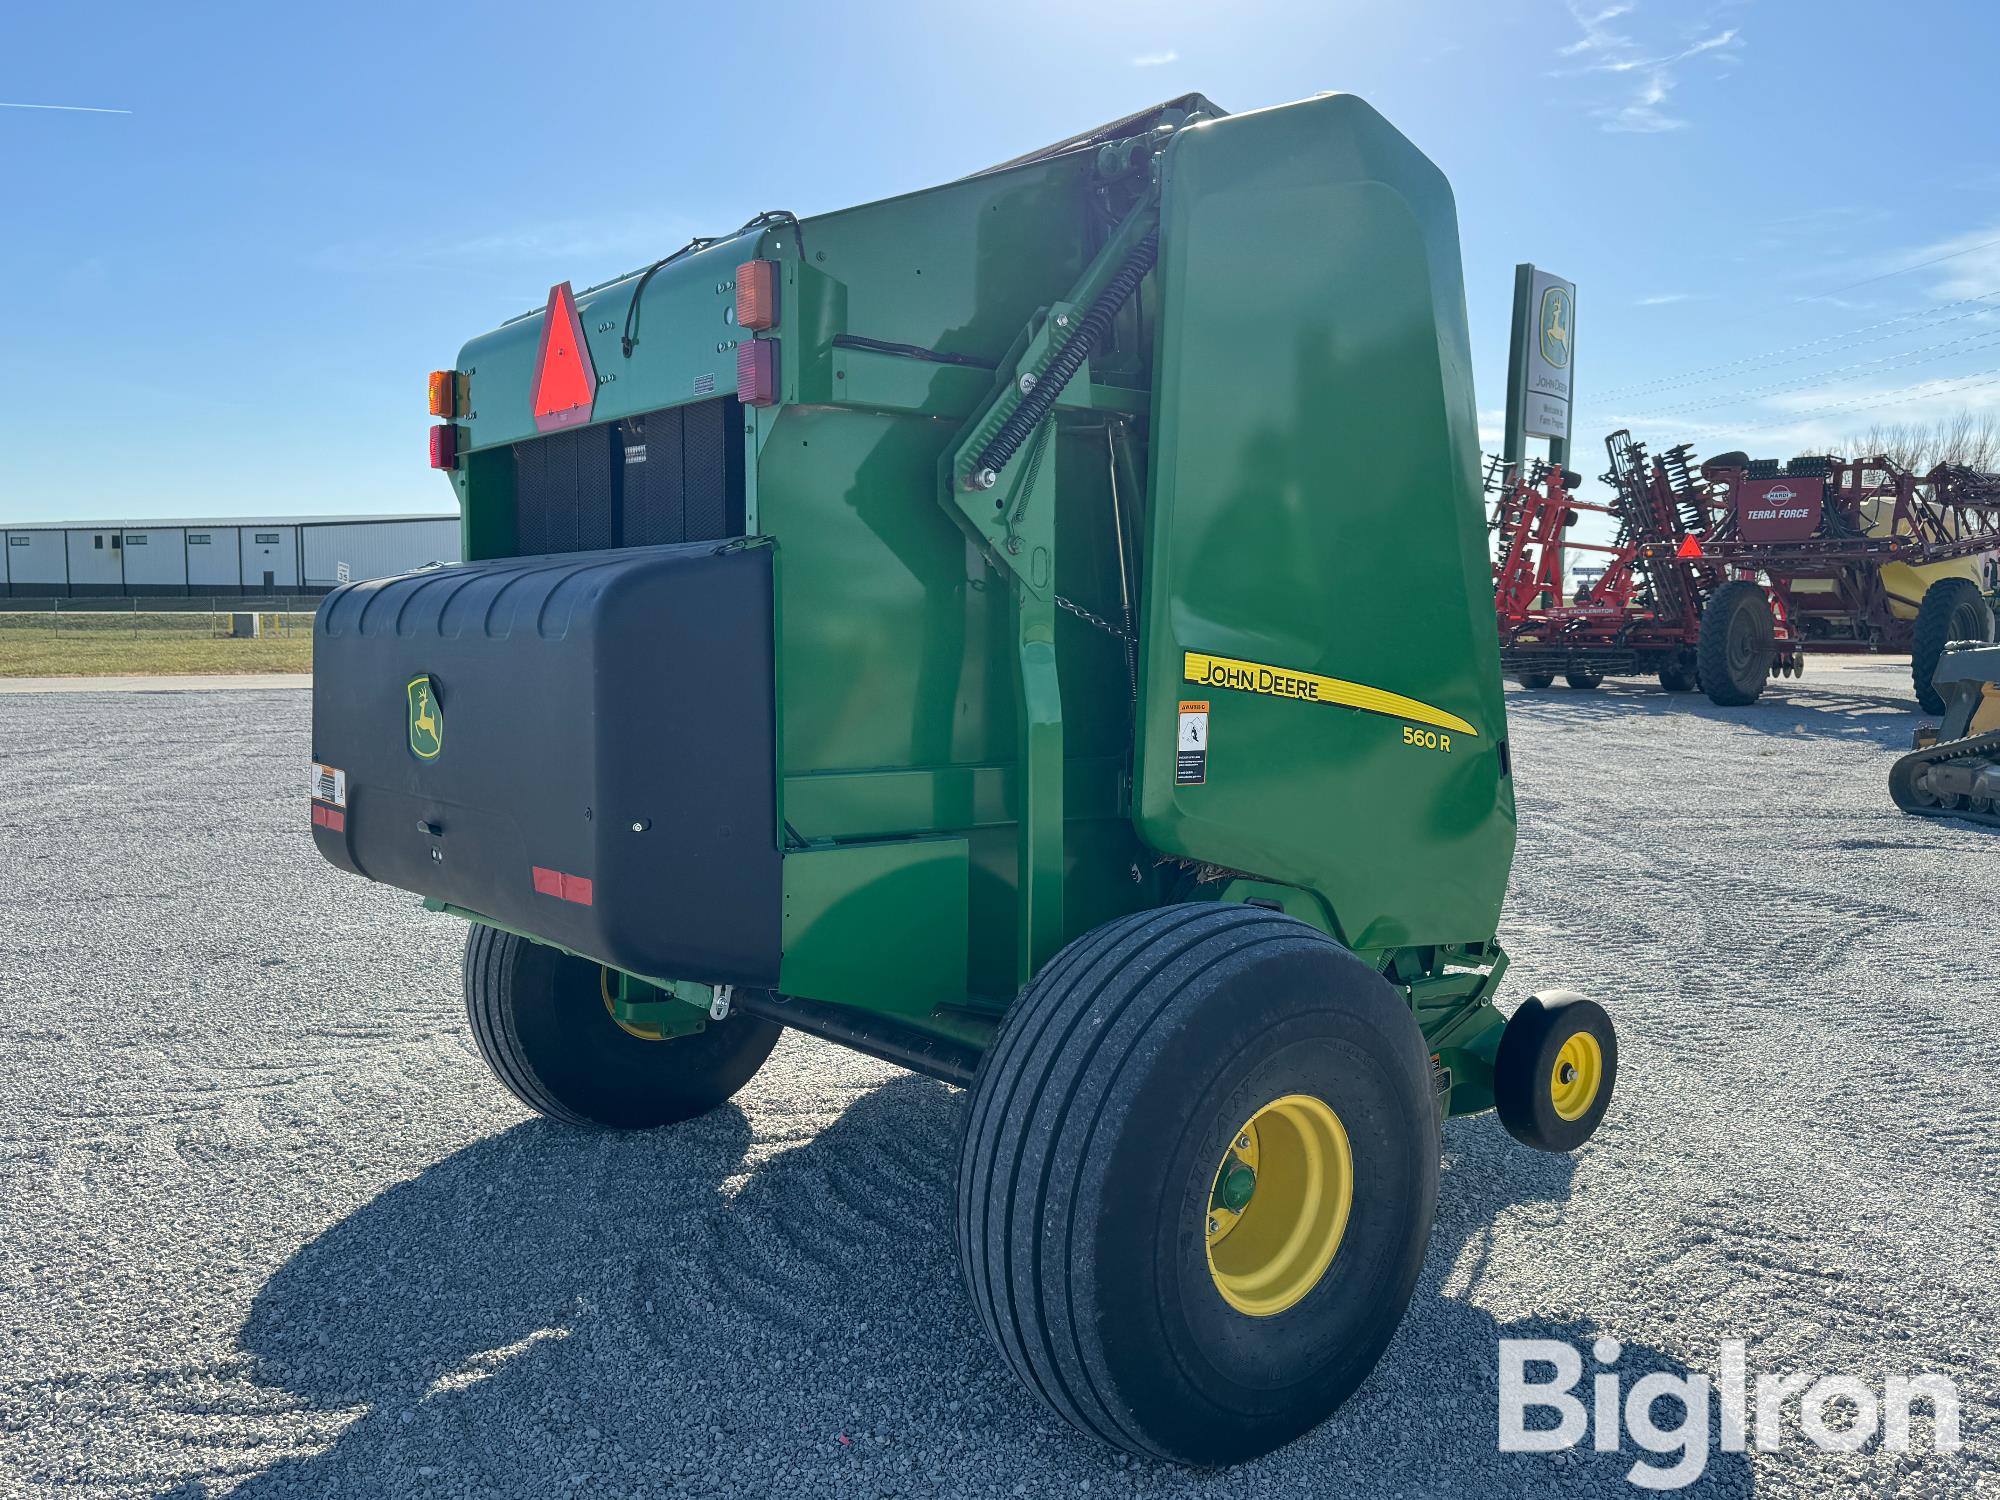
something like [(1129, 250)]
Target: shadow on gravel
[(558, 1312), (1884, 718), (1456, 1358)]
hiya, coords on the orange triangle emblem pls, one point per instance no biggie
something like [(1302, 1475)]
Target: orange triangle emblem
[(1689, 548), (565, 386)]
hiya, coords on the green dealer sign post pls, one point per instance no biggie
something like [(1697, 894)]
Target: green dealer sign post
[(1539, 364), (1540, 361)]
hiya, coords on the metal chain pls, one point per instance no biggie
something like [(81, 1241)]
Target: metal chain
[(1090, 619)]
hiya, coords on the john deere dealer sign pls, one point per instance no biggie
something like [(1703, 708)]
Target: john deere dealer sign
[(1545, 321)]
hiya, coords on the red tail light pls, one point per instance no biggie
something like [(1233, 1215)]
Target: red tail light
[(444, 447), (757, 295), (757, 372)]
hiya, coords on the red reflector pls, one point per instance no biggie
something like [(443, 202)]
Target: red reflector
[(444, 447), (565, 380), (757, 295), (562, 887), (329, 818), (757, 372), (1689, 548)]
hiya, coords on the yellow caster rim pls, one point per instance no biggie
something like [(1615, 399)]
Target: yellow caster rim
[(1577, 1076), (643, 1033), (1279, 1205)]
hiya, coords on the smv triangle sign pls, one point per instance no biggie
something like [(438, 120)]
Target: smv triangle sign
[(565, 386)]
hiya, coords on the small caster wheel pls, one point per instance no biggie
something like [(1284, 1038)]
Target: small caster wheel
[(1554, 1073)]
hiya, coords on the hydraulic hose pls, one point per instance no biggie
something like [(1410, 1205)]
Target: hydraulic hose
[(1069, 359)]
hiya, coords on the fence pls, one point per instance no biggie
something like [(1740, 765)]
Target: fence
[(278, 615)]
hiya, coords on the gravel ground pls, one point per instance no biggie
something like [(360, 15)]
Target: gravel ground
[(267, 1227)]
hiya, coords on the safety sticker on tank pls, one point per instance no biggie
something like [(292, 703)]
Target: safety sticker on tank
[(1281, 682), (1191, 756), (329, 785)]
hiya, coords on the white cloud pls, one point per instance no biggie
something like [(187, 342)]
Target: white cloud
[(1652, 70), (1821, 420), (1155, 59), (74, 109), (1661, 299)]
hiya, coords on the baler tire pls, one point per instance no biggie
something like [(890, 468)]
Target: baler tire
[(1534, 682), (1584, 682), (1097, 1137), (1733, 677), (1953, 609), (1539, 1105), (539, 1019)]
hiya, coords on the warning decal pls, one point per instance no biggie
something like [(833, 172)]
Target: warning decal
[(329, 784), (1191, 753), (1281, 682)]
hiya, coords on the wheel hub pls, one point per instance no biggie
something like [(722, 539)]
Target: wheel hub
[(1578, 1073), (1279, 1204)]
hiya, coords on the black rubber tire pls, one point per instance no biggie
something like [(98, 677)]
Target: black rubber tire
[(1737, 644), (1953, 609), (1089, 1152), (1526, 1062), (1584, 682), (539, 1018), (1534, 682), (1680, 677)]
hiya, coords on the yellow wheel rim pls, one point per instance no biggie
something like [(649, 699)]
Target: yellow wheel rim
[(643, 1033), (1279, 1205), (1577, 1076)]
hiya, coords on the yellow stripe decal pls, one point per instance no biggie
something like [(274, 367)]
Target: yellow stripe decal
[(1282, 682)]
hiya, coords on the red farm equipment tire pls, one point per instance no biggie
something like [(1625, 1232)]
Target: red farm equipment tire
[(1737, 644), (1681, 677)]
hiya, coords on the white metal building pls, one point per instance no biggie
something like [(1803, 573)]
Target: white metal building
[(232, 556)]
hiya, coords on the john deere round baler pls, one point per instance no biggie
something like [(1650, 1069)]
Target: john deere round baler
[(1038, 630)]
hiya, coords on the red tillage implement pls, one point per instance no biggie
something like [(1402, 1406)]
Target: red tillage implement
[(1642, 615), (1722, 574)]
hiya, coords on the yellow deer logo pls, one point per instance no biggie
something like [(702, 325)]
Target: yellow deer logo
[(1555, 327), (426, 718)]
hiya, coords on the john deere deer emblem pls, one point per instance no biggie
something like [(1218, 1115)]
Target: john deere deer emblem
[(426, 718), (1555, 327)]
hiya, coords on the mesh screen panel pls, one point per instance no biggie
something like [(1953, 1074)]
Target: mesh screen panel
[(674, 475), (565, 492)]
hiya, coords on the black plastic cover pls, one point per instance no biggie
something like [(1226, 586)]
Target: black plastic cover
[(599, 765)]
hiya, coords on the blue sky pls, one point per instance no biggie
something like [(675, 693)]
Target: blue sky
[(225, 300)]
